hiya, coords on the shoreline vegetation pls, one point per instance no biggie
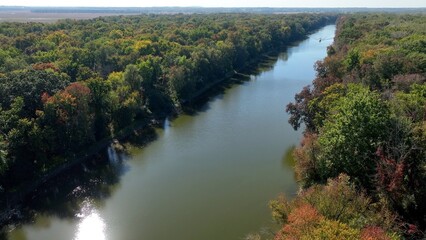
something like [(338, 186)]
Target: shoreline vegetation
[(74, 86), (362, 161), (137, 129)]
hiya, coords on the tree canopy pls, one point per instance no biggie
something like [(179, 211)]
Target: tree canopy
[(365, 114), (67, 85)]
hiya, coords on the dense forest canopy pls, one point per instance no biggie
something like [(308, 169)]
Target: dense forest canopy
[(362, 162), (67, 85)]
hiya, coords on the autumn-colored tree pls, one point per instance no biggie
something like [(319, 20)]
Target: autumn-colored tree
[(300, 221), (307, 163), (374, 233), (68, 116), (333, 211), (300, 112)]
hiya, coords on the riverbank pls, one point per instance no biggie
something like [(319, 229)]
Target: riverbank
[(15, 198), (123, 78), (208, 176), (20, 195)]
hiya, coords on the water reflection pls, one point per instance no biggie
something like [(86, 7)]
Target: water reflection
[(112, 155), (201, 104), (72, 196), (288, 160), (166, 125), (288, 157), (91, 226)]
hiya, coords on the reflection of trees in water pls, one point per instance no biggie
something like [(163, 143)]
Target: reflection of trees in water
[(142, 137), (288, 160), (265, 64), (62, 196), (284, 56)]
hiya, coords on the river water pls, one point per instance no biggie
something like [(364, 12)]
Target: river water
[(209, 175)]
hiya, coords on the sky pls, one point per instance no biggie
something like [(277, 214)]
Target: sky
[(219, 3)]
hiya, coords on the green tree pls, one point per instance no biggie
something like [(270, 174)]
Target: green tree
[(412, 104), (30, 85), (100, 104), (133, 78), (351, 134), (125, 102), (352, 60)]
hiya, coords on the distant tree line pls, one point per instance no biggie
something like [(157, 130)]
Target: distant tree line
[(205, 10), (362, 162)]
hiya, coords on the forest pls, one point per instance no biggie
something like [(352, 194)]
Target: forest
[(362, 161), (68, 85)]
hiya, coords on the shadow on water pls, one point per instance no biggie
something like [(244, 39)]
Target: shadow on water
[(63, 195), (143, 137), (266, 63), (288, 159)]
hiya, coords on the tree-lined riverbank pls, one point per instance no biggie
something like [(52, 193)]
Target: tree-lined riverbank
[(362, 161), (68, 85), (200, 177)]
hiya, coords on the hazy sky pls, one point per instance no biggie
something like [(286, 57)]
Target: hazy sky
[(220, 3)]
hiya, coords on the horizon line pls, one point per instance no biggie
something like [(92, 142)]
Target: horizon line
[(21, 6)]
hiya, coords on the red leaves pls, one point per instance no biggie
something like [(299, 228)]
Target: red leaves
[(305, 214), (72, 93), (44, 97), (390, 175), (412, 229), (44, 66), (77, 89), (301, 220), (373, 233), (71, 101), (306, 161), (299, 110)]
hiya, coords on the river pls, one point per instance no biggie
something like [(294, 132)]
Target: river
[(208, 175)]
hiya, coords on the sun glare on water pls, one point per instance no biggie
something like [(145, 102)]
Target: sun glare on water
[(91, 226)]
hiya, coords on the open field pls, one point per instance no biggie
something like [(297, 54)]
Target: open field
[(52, 14), (29, 16)]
